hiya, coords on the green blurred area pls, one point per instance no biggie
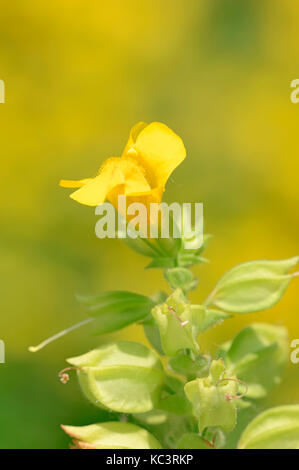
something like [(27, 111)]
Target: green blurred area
[(78, 75)]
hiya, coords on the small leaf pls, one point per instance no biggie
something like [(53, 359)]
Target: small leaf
[(192, 441), (111, 435), (115, 310), (126, 377), (276, 428), (252, 286)]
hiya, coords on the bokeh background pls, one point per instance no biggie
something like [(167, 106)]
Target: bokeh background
[(78, 75)]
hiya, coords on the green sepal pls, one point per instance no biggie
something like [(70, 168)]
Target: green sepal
[(211, 398), (152, 334), (207, 318), (170, 246), (276, 428), (186, 259), (187, 366), (176, 324), (111, 435), (173, 384), (161, 262), (142, 246), (167, 427), (188, 256), (124, 376), (177, 404), (192, 441), (180, 278), (258, 355)]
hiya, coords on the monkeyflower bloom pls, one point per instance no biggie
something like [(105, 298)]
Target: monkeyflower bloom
[(152, 153)]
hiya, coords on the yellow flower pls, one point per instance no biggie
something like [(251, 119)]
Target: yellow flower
[(152, 152)]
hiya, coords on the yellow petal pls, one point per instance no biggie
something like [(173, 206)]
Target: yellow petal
[(95, 191), (159, 151), (135, 131), (122, 174), (145, 198), (73, 183), (135, 180)]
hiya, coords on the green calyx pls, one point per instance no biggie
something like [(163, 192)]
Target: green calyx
[(214, 398), (111, 435), (175, 320), (125, 377)]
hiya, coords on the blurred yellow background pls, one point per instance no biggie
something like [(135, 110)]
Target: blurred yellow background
[(78, 75)]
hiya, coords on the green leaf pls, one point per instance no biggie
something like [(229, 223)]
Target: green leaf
[(192, 441), (111, 435), (252, 286), (258, 355), (251, 295), (126, 377), (115, 310), (277, 428)]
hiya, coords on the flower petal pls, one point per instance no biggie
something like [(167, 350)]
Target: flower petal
[(135, 131), (114, 173), (160, 151), (95, 191)]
